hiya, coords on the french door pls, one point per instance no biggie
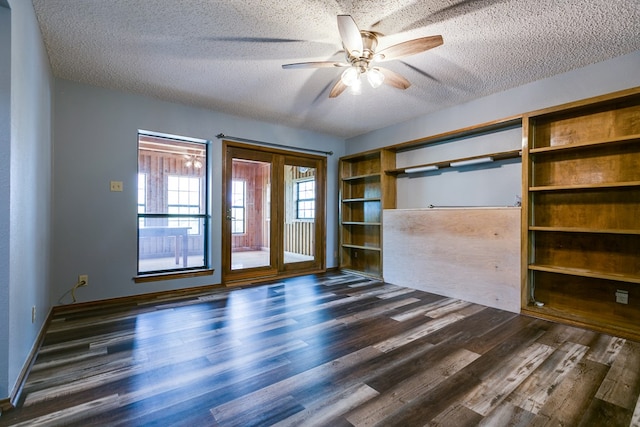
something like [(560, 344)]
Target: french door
[(274, 215)]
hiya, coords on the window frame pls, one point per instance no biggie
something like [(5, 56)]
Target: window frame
[(203, 217), (299, 200), (243, 207), (194, 231)]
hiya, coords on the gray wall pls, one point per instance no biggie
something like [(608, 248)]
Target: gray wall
[(5, 152), (497, 184), (26, 264), (96, 141), (490, 184)]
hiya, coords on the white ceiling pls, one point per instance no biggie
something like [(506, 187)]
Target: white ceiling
[(226, 55)]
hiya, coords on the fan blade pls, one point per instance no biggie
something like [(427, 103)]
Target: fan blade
[(337, 89), (319, 64), (394, 79), (410, 47), (350, 34)]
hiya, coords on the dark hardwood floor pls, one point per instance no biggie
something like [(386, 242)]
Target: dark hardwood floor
[(335, 350)]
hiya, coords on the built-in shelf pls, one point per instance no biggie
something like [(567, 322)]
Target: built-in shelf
[(581, 202), (587, 144), (502, 155), (366, 248), (357, 177), (585, 273), (368, 187), (584, 230), (365, 191), (585, 320), (598, 186)]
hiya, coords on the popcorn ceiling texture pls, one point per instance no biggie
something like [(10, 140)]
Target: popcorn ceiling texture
[(226, 55)]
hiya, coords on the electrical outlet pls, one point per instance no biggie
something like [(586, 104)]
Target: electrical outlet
[(116, 185), (622, 297), (33, 314), (83, 278)]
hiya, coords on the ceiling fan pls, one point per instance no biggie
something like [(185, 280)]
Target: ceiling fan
[(361, 57)]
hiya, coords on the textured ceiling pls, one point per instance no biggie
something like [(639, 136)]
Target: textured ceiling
[(226, 55)]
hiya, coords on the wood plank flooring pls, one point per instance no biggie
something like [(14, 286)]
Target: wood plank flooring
[(326, 350)]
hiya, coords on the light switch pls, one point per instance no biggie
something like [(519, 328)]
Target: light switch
[(116, 185)]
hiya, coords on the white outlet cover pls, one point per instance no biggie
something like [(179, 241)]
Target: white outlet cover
[(622, 297), (116, 185)]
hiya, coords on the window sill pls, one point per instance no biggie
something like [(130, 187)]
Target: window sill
[(173, 275)]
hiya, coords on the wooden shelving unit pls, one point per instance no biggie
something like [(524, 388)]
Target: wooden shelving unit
[(581, 213), (364, 192)]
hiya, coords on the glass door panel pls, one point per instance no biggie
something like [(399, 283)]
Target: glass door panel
[(299, 228), (250, 214), (247, 246)]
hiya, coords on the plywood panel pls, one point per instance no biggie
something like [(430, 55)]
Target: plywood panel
[(472, 254)]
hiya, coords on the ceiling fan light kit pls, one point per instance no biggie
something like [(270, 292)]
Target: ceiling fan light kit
[(375, 77), (192, 160), (350, 76), (360, 51), (356, 88)]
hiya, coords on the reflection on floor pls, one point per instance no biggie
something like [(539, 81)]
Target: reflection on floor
[(250, 259), (239, 261)]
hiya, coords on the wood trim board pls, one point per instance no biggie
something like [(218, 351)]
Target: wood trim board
[(472, 254)]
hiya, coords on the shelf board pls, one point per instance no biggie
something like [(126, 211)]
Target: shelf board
[(585, 230), (502, 155), (360, 223), (367, 248), (556, 314), (585, 145), (585, 273), (357, 177), (362, 199), (598, 186)]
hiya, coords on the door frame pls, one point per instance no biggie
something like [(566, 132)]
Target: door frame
[(277, 267)]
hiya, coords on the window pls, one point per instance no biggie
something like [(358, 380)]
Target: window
[(238, 197), (142, 192), (305, 199), (183, 197), (172, 204)]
